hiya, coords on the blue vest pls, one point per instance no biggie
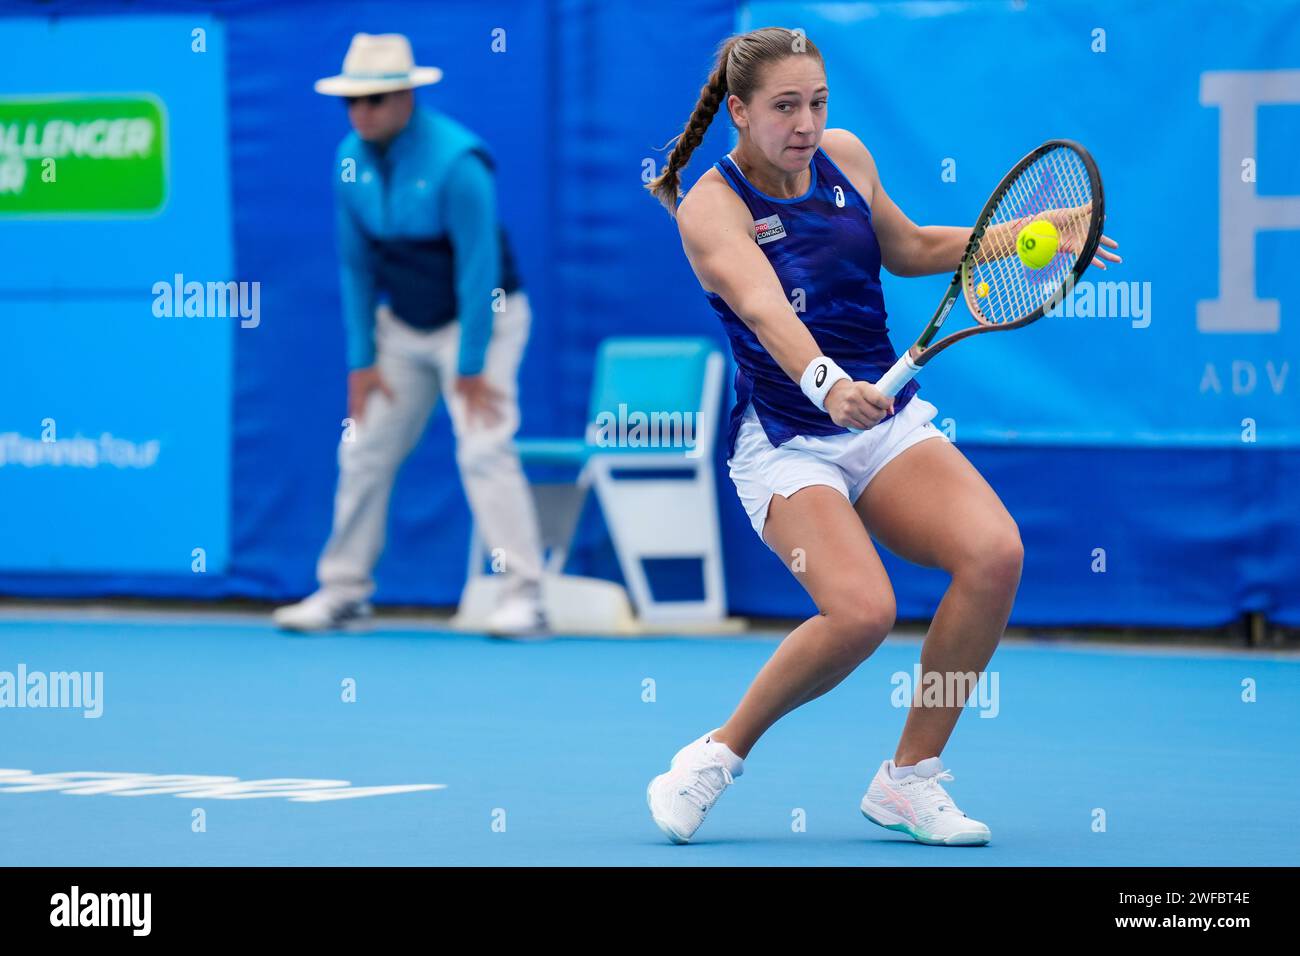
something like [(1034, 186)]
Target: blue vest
[(409, 255), (824, 251)]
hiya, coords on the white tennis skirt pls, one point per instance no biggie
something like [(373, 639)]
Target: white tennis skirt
[(846, 462)]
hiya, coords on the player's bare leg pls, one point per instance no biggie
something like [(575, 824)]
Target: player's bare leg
[(931, 507), (816, 533)]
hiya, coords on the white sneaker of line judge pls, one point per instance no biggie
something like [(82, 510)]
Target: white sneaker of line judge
[(698, 774), (520, 614), (325, 610)]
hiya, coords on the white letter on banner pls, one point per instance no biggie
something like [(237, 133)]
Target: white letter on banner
[(1242, 212)]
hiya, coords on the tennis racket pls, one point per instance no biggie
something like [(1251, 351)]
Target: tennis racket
[(1058, 183)]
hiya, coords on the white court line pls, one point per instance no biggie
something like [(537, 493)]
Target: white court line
[(78, 615), (1125, 648), (440, 624)]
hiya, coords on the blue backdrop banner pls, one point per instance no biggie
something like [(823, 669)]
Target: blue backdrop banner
[(1149, 454), (118, 319), (1192, 112)]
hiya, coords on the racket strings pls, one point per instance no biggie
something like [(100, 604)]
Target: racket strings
[(1055, 187)]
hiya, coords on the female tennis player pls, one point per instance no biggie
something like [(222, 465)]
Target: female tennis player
[(787, 234)]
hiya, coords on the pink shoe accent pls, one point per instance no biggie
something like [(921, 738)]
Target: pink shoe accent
[(898, 803)]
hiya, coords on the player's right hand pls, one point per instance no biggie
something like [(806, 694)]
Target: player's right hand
[(361, 382), (857, 404)]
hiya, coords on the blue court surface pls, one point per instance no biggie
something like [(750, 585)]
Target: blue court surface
[(542, 751)]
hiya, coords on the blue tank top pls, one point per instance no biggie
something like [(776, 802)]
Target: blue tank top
[(821, 243)]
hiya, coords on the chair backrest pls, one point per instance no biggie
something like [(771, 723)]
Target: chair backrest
[(658, 381)]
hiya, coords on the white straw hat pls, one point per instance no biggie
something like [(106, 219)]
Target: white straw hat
[(378, 64)]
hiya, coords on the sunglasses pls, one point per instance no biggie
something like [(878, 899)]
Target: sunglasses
[(371, 99)]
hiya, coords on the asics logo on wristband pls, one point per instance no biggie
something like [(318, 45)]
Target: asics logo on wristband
[(819, 377)]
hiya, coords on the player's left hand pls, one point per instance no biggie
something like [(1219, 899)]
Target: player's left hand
[(1070, 222), (1103, 254), (481, 399)]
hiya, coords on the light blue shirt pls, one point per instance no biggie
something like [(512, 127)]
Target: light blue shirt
[(417, 226)]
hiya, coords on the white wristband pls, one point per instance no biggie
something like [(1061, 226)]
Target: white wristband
[(819, 378)]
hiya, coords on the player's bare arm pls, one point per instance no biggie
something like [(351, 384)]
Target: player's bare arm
[(908, 249)]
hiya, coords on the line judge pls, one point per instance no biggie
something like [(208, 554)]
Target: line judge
[(433, 305)]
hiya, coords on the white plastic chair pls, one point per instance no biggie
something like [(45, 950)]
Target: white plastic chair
[(648, 453)]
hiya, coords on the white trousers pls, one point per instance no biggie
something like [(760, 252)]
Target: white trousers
[(417, 366)]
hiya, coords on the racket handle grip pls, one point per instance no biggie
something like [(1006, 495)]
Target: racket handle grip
[(892, 382)]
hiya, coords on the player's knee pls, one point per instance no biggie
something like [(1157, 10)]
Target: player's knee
[(859, 624), (999, 560), (1007, 558)]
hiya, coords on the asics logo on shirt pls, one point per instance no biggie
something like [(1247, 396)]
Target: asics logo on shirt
[(839, 196)]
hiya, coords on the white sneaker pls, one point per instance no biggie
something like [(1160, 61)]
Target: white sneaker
[(322, 611), (681, 798), (518, 616), (919, 806)]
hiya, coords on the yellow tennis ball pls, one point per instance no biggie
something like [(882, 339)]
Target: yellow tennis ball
[(982, 289), (1036, 244)]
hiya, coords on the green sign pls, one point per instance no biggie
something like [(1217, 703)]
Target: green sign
[(75, 155)]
